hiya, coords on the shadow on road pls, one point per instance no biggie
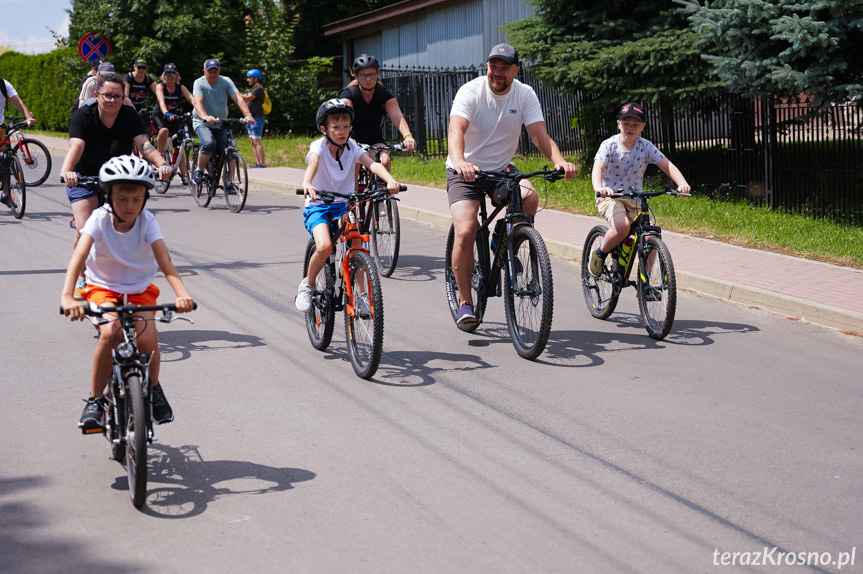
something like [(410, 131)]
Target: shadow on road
[(417, 268), (179, 344), (418, 368), (181, 484), (25, 548)]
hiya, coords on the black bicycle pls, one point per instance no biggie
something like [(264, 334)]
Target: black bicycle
[(349, 281), (13, 188), (655, 281), (179, 153), (128, 417), (384, 227), (517, 250), (32, 154), (228, 164)]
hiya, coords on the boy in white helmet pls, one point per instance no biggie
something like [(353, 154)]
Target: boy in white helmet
[(120, 248)]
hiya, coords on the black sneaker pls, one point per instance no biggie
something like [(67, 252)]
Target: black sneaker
[(4, 199), (162, 412), (93, 416)]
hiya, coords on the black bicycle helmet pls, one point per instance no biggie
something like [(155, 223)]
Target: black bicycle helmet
[(330, 107), (365, 61)]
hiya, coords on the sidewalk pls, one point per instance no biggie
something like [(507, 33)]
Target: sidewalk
[(821, 293)]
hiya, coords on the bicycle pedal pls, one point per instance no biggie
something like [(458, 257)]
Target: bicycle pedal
[(92, 430)]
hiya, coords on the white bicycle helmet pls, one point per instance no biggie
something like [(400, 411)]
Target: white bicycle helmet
[(126, 169)]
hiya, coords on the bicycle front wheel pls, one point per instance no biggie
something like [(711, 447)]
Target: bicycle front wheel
[(657, 288), (35, 159), (364, 316), (162, 185), (320, 320), (529, 296), (236, 179), (386, 235), (200, 191), (136, 439), (17, 188), (599, 292), (477, 281)]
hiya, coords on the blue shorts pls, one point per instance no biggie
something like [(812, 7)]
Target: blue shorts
[(314, 215), (256, 131), (79, 193)]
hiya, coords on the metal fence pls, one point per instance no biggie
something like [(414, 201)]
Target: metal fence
[(730, 146)]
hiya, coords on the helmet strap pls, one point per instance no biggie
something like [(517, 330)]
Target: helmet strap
[(339, 149)]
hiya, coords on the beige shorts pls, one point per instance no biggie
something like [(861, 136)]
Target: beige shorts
[(609, 207)]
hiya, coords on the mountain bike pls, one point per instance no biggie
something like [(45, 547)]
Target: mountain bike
[(128, 417), (517, 250), (13, 189), (179, 153), (655, 283), (353, 285), (34, 157), (385, 229), (232, 167)]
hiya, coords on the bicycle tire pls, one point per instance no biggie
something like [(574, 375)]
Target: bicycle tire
[(530, 306), (118, 449), (386, 235), (364, 331), (657, 289), (599, 292), (36, 160), (17, 192), (236, 182), (321, 319), (478, 280), (136, 439), (200, 191), (162, 185)]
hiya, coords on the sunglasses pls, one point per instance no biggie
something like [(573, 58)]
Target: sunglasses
[(141, 67), (170, 73)]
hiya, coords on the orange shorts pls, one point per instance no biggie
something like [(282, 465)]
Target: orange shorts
[(99, 296)]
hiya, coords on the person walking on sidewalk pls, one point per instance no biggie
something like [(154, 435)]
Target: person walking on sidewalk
[(255, 99), (485, 125), (620, 163)]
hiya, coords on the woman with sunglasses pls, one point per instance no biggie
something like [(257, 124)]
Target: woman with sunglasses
[(370, 101), (99, 131), (167, 113)]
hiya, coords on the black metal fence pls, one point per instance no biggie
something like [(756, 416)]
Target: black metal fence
[(733, 147)]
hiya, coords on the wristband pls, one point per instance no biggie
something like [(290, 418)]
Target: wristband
[(407, 135)]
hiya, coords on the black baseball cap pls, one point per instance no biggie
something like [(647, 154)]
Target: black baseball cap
[(632, 110), (169, 68), (140, 63), (503, 52)]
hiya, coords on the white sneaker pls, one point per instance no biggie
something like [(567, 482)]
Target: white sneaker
[(363, 309), (79, 285), (304, 297)]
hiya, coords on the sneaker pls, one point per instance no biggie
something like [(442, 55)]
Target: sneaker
[(362, 306), (465, 315), (93, 415), (597, 262), (184, 180), (304, 297), (653, 294), (4, 199), (80, 284), (162, 411), (198, 178)]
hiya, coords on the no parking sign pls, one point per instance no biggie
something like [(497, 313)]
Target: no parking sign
[(93, 48)]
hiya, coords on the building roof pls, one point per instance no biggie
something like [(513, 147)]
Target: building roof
[(360, 20)]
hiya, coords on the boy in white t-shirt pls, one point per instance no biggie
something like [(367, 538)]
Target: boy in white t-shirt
[(331, 162), (620, 163), (120, 248)]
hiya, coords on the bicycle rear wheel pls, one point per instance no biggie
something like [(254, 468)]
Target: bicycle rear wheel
[(321, 319), (364, 316), (657, 289), (162, 185), (529, 299), (200, 191), (599, 292), (477, 282), (386, 235), (136, 439), (236, 180), (17, 193), (35, 159)]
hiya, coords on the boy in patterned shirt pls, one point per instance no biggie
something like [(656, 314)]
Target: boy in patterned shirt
[(620, 163)]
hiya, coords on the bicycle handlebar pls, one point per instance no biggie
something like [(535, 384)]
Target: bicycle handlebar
[(129, 309), (10, 129), (551, 175), (330, 196), (633, 194), (85, 181)]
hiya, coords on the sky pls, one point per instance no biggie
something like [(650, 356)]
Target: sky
[(24, 24)]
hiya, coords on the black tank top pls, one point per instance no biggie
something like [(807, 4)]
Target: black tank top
[(172, 99)]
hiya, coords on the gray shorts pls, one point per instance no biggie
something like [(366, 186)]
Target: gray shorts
[(458, 190)]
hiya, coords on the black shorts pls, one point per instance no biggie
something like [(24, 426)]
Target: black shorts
[(160, 121)]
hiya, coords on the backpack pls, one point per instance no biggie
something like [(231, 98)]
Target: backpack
[(267, 105), (3, 88)]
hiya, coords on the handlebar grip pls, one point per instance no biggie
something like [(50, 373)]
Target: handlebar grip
[(301, 191), (403, 187)]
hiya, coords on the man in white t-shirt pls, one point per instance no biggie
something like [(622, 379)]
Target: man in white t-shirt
[(485, 125)]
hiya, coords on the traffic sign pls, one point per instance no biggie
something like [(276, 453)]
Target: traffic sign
[(93, 48)]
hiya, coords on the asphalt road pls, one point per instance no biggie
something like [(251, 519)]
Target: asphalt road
[(610, 453)]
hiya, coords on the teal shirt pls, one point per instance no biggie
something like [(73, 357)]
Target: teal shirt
[(215, 97)]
